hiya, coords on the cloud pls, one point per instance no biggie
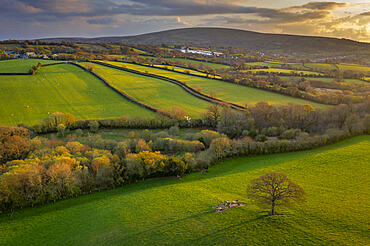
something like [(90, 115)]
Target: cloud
[(322, 5), (102, 21), (315, 17), (179, 20)]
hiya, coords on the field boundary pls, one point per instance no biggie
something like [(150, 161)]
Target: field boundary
[(179, 83), (123, 94), (29, 73), (221, 80)]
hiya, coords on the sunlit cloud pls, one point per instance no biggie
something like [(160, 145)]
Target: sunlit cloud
[(329, 18)]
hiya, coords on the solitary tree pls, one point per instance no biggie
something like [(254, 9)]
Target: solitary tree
[(273, 189)]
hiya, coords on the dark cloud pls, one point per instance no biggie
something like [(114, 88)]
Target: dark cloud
[(323, 5)]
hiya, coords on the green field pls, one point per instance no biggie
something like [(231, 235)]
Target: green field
[(321, 66), (155, 92), (184, 70), (209, 64), (281, 70), (291, 78), (20, 65), (179, 212), (64, 88), (223, 90), (354, 67)]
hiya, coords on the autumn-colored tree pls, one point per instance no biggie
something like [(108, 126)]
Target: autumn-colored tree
[(212, 115), (177, 113), (274, 189), (141, 146)]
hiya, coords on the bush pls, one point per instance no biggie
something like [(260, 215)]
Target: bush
[(261, 138), (220, 148), (289, 134), (94, 126), (206, 136), (61, 130), (174, 131), (141, 146)]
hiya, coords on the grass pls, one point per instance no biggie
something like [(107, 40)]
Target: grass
[(184, 70), (20, 65), (223, 90), (64, 88), (354, 67), (321, 66), (349, 81), (281, 70), (120, 134), (209, 64), (155, 92), (276, 64), (179, 212)]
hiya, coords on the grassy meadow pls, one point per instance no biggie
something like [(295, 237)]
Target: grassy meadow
[(292, 78), (353, 67), (179, 212), (184, 70), (155, 92), (64, 88), (20, 65), (209, 64), (226, 91), (281, 70)]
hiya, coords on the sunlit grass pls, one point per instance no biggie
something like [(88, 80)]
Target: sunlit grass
[(179, 212)]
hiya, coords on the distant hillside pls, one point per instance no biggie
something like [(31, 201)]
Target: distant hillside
[(223, 37)]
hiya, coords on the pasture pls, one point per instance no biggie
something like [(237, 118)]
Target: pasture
[(209, 64), (325, 66), (292, 78), (226, 91), (64, 88), (179, 212), (281, 70), (353, 67), (154, 92), (187, 71), (20, 65)]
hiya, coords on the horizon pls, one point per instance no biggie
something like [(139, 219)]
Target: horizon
[(348, 19), (139, 34)]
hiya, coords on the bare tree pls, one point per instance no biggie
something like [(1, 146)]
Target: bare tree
[(274, 189)]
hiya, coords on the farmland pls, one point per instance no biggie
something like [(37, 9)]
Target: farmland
[(184, 70), (64, 88), (209, 64), (292, 78), (154, 92), (168, 210), (20, 65), (223, 90), (353, 67), (281, 70)]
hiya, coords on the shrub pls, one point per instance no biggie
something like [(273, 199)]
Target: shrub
[(94, 126), (61, 130), (206, 136), (220, 148), (174, 131), (261, 138), (289, 134), (141, 146)]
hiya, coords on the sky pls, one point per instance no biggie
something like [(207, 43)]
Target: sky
[(31, 19)]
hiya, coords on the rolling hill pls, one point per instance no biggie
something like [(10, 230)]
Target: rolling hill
[(225, 37)]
